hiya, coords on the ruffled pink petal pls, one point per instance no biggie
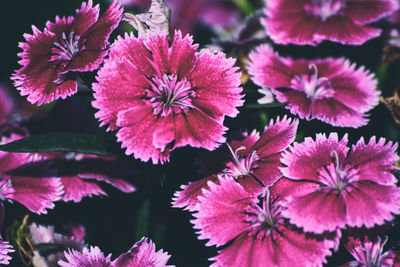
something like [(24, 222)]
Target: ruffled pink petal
[(220, 215), (331, 207), (143, 254), (120, 184), (36, 194), (182, 58), (5, 248), (267, 172), (267, 69), (343, 30), (336, 113), (158, 45), (217, 83), (110, 99), (41, 86), (88, 258), (304, 160), (247, 140), (289, 249), (187, 198), (137, 124), (277, 136), (75, 189), (369, 204), (363, 12), (198, 129), (374, 161), (298, 102), (97, 39)]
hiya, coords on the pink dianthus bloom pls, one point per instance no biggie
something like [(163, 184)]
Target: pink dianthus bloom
[(261, 235), (71, 44), (255, 162), (142, 254), (328, 188), (369, 253), (161, 97), (309, 22), (331, 90)]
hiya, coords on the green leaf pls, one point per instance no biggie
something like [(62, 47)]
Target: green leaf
[(245, 7), (62, 142)]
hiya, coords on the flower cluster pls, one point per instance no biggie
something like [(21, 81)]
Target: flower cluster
[(275, 197)]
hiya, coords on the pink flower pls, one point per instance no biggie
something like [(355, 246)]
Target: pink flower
[(185, 15), (142, 254), (161, 97), (331, 90), (36, 193), (255, 161), (370, 253), (261, 235), (69, 45), (313, 21), (347, 189), (5, 248)]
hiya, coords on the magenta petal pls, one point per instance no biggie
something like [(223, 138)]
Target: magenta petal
[(220, 213), (199, 130), (362, 12), (277, 136), (182, 57), (143, 254), (287, 250), (85, 17), (217, 84), (305, 159), (331, 207), (88, 258), (374, 161), (5, 248), (158, 45), (36, 194), (75, 189), (97, 35), (369, 204), (187, 198), (267, 69), (121, 184)]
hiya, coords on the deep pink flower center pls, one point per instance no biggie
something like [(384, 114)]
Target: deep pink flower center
[(337, 177), (313, 86), (267, 220), (67, 48), (241, 165), (371, 254), (169, 95), (324, 8)]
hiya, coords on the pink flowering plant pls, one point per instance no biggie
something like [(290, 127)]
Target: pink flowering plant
[(232, 133)]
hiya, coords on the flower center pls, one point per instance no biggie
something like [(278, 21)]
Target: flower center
[(241, 165), (168, 95), (67, 48), (314, 87), (371, 254), (324, 8), (336, 176), (266, 220)]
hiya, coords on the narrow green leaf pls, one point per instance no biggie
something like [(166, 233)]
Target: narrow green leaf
[(142, 228), (62, 142)]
